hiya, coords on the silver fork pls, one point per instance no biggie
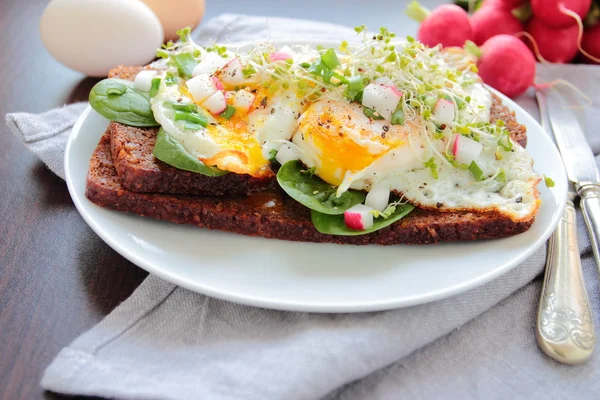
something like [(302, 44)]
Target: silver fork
[(565, 328)]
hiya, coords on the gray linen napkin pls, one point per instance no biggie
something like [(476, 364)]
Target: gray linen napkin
[(166, 342)]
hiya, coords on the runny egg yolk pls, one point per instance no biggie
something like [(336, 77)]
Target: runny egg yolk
[(242, 153), (342, 139)]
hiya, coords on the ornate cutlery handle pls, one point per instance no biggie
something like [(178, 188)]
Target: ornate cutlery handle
[(565, 329), (590, 205)]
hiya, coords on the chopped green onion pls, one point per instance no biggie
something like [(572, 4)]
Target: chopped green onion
[(170, 79), (548, 181), (184, 107), (476, 171), (501, 177), (305, 65), (185, 63), (193, 126), (272, 155), (369, 112), (431, 164), (155, 86), (229, 111), (398, 117), (330, 59), (194, 118)]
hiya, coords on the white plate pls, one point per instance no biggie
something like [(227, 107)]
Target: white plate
[(308, 276)]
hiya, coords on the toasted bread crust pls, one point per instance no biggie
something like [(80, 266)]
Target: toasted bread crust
[(282, 218)]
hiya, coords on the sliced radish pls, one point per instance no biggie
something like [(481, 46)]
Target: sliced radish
[(378, 198), (287, 50), (288, 152), (383, 99), (465, 149), (243, 100), (279, 56), (201, 87), (443, 111), (216, 103), (143, 80), (232, 73), (359, 217), (218, 84), (211, 62)]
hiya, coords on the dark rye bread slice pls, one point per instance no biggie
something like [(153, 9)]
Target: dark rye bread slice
[(277, 216), (140, 171)]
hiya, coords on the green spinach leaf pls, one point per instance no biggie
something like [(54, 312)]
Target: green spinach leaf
[(335, 225), (171, 152), (314, 193), (117, 100)]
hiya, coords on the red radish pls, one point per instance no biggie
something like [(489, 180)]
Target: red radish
[(378, 198), (447, 25), (201, 87), (555, 13), (506, 64), (279, 56), (498, 4), (218, 84), (591, 43), (465, 149), (143, 80), (383, 99), (510, 4), (554, 45), (359, 217), (288, 152), (243, 100), (216, 103), (443, 111), (209, 64), (232, 73), (492, 21)]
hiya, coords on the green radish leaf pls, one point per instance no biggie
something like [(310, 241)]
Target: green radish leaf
[(172, 152), (117, 100), (335, 225), (313, 192)]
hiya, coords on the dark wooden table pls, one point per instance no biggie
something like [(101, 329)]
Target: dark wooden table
[(57, 278)]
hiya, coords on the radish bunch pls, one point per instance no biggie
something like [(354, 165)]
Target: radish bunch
[(552, 29)]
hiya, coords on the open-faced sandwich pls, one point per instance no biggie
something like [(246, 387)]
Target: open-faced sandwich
[(385, 142)]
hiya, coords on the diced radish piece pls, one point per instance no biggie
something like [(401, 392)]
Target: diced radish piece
[(232, 73), (465, 149), (385, 81), (378, 198), (443, 111), (359, 217), (279, 56), (383, 99), (201, 87), (288, 152), (243, 100), (216, 103), (143, 80), (211, 62), (218, 84)]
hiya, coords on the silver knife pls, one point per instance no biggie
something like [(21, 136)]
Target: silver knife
[(579, 162), (565, 328)]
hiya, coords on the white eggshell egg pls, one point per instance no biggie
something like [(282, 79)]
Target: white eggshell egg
[(94, 36), (177, 14)]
